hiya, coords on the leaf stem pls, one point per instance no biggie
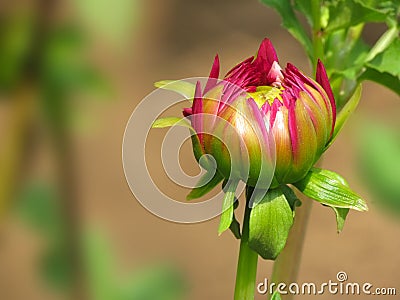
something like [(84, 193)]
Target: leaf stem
[(247, 263)]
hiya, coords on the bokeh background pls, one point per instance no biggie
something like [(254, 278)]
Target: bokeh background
[(72, 72)]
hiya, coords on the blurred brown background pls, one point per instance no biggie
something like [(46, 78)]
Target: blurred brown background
[(133, 44)]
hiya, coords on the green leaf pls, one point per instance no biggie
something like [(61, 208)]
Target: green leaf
[(269, 225), (276, 296), (388, 60), (389, 8), (170, 121), (384, 41), (341, 214), (347, 13), (345, 113), (206, 183), (227, 207), (304, 6), (385, 79), (291, 23), (324, 187), (184, 88)]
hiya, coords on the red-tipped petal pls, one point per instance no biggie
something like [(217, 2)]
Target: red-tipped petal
[(323, 80), (293, 127), (187, 111), (266, 55), (197, 110), (214, 74)]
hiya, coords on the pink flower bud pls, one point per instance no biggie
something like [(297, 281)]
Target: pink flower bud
[(259, 107)]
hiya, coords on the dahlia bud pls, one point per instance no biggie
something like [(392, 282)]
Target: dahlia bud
[(261, 114)]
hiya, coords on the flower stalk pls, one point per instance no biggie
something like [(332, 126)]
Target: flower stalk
[(247, 262)]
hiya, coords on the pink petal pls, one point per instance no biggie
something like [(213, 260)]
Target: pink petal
[(322, 79), (293, 127), (214, 74), (266, 55), (197, 109), (187, 111)]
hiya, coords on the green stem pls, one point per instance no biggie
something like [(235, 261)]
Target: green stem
[(318, 46), (247, 263)]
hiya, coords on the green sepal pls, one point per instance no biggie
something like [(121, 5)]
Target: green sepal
[(184, 88), (227, 206), (341, 214), (235, 225), (270, 222), (291, 197), (206, 183), (325, 187), (345, 113)]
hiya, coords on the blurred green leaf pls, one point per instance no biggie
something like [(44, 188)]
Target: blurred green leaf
[(55, 266), (65, 66), (324, 187), (39, 206), (347, 13), (161, 282), (269, 225), (100, 266), (15, 43), (291, 23), (113, 20), (379, 162)]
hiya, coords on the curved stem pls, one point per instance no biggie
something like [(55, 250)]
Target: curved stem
[(247, 263)]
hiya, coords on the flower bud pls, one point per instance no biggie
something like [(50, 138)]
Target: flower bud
[(261, 114)]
